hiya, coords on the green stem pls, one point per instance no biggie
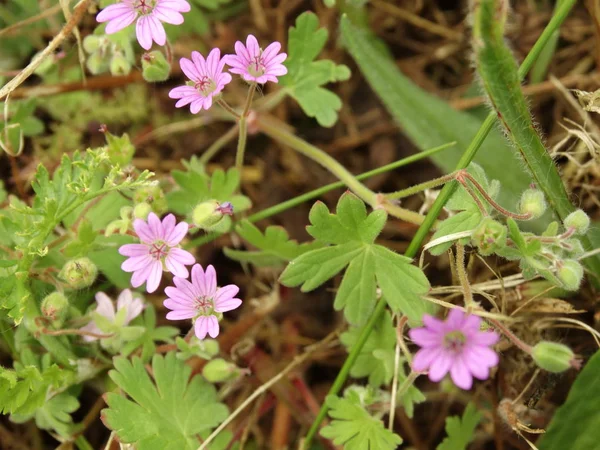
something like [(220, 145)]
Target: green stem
[(284, 206), (241, 147), (559, 16), (421, 187)]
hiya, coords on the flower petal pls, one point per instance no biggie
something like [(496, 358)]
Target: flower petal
[(423, 359), (224, 298), (154, 277), (210, 280), (115, 11), (213, 326), (105, 306), (179, 296), (136, 263), (201, 327), (177, 235), (252, 46), (175, 267), (455, 319), (180, 314), (460, 374), (157, 30), (124, 300), (424, 337), (134, 309), (440, 366), (134, 250), (143, 32), (143, 231)]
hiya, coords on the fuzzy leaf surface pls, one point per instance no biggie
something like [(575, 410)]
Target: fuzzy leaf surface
[(461, 430)]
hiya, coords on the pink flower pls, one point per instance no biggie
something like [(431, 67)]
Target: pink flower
[(157, 252), (200, 300), (133, 307), (255, 64), (456, 346), (150, 12), (207, 80)]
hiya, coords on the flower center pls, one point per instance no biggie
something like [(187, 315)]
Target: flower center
[(204, 305), (454, 341), (159, 250), (144, 6), (205, 86), (257, 66)]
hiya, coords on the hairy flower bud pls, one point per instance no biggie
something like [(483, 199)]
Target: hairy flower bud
[(532, 202), (91, 43), (219, 370), (97, 63), (489, 236), (154, 196), (208, 214), (79, 273), (552, 356), (141, 210), (119, 65), (570, 274), (55, 307), (155, 67), (120, 150), (579, 221)]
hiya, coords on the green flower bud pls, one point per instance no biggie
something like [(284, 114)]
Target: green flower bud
[(579, 221), (155, 67), (121, 225), (489, 236), (532, 202), (55, 307), (219, 370), (119, 65), (97, 63), (120, 150), (79, 273), (141, 210), (208, 214), (570, 274), (154, 196), (552, 356), (91, 43)]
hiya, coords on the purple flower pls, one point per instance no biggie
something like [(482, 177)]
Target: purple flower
[(456, 346), (133, 307), (157, 252), (207, 80), (255, 64), (149, 15), (201, 300)]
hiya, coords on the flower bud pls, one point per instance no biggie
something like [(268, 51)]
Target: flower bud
[(219, 370), (154, 196), (532, 202), (208, 214), (155, 67), (55, 307), (119, 65), (96, 63), (91, 43), (79, 273), (579, 221), (489, 236), (570, 274), (121, 225), (141, 210), (120, 150), (552, 356)]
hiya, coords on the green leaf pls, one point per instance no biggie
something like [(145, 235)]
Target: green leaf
[(498, 72), (376, 359), (306, 77), (355, 428), (167, 414), (149, 336), (576, 424), (428, 120), (275, 246), (351, 233), (461, 431), (54, 414)]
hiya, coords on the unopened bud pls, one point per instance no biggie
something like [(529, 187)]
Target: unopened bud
[(79, 273), (154, 196), (120, 150), (219, 370), (55, 307), (570, 274), (91, 43), (489, 236), (141, 210), (121, 225), (119, 65), (553, 357), (155, 67), (208, 214), (97, 63), (533, 203), (579, 221)]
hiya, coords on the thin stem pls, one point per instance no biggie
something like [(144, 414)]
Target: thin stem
[(399, 344), (407, 383), (462, 275), (510, 335), (251, 91), (438, 205), (421, 187), (473, 195), (223, 140), (223, 104), (241, 147)]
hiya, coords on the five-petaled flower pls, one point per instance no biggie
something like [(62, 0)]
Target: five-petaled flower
[(201, 300), (149, 14), (132, 306), (255, 64), (158, 251), (456, 346), (207, 80)]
